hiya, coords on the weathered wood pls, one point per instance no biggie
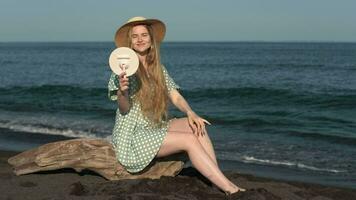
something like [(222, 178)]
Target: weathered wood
[(92, 154)]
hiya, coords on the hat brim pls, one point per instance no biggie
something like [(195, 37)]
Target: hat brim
[(158, 27)]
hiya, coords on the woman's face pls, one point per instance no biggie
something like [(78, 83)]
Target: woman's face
[(140, 39)]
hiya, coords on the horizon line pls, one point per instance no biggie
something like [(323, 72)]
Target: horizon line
[(195, 41)]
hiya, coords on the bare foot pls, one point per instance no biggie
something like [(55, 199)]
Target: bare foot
[(236, 190)]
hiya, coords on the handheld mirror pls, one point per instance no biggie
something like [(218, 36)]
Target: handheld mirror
[(123, 59)]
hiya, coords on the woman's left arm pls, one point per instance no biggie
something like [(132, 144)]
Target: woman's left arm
[(195, 122)]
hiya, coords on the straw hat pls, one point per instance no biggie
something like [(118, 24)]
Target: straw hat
[(159, 30)]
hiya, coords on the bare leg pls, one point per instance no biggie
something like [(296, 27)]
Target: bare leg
[(176, 142), (181, 126)]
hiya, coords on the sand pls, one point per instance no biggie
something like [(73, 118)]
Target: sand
[(189, 184)]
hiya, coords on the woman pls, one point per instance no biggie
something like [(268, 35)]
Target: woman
[(142, 130)]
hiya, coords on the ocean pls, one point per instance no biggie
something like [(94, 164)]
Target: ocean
[(281, 110)]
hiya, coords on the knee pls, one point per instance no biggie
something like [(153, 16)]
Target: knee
[(205, 136), (191, 141)]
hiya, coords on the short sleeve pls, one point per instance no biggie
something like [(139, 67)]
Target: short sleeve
[(171, 85), (113, 87)]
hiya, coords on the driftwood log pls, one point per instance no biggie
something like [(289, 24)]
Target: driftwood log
[(92, 154)]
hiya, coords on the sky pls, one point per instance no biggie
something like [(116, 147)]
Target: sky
[(186, 20)]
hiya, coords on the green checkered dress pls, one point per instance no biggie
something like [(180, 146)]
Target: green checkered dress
[(135, 142)]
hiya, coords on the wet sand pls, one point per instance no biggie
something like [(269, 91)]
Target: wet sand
[(189, 184)]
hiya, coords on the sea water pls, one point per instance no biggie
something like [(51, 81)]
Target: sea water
[(283, 110)]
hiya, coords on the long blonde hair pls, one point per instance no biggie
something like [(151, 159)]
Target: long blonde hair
[(152, 93)]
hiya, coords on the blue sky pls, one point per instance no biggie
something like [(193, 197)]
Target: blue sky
[(186, 20)]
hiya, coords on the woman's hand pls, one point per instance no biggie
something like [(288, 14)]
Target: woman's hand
[(123, 82), (197, 123), (123, 94)]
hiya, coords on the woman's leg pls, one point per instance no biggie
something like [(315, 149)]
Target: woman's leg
[(181, 126), (176, 142)]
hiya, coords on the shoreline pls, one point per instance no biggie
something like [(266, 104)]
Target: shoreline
[(189, 184), (18, 141)]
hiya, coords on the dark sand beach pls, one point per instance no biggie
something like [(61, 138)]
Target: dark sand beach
[(189, 184)]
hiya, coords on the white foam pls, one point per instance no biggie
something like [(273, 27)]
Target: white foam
[(251, 159), (50, 131)]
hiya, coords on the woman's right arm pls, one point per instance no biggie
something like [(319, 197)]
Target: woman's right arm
[(123, 98)]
